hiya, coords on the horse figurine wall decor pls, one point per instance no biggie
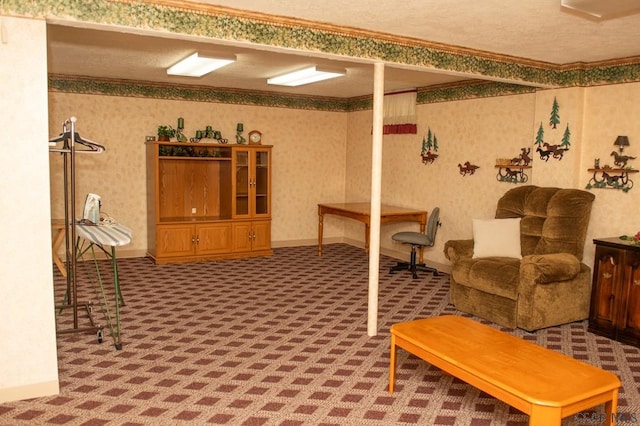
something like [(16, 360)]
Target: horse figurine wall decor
[(544, 154), (429, 157), (555, 150), (523, 159), (621, 160), (468, 168)]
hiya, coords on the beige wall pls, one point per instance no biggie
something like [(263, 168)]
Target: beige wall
[(610, 111), (28, 361), (308, 157), (482, 130), (478, 131), (326, 157)]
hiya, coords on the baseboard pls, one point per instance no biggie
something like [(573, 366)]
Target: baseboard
[(401, 256), (34, 390), (396, 254), (307, 242)]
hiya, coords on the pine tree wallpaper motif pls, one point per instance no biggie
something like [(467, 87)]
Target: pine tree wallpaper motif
[(547, 150), (431, 142), (554, 120)]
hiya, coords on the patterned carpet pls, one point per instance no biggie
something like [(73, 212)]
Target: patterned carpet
[(280, 340)]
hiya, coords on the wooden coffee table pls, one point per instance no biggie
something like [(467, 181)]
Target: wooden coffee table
[(542, 383)]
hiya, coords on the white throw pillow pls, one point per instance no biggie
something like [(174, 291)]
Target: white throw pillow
[(496, 237)]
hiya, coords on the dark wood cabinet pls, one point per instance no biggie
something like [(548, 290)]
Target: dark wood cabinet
[(615, 293)]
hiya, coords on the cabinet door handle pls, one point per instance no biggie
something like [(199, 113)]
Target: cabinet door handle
[(254, 235), (193, 239), (612, 299), (636, 282), (606, 275)]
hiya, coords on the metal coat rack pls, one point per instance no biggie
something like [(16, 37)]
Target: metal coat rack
[(71, 144)]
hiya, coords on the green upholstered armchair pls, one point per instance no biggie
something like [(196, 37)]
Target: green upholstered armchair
[(549, 285)]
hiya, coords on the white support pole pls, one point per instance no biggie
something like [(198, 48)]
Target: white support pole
[(376, 185)]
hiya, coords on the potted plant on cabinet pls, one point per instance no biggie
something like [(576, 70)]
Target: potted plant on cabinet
[(165, 133)]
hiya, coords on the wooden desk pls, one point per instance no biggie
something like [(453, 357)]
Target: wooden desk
[(544, 384), (362, 212)]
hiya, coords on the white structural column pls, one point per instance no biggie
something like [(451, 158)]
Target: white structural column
[(376, 185)]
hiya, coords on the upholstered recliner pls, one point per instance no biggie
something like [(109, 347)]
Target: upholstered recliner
[(549, 285)]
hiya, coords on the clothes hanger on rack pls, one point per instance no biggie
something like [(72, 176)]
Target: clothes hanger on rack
[(65, 137)]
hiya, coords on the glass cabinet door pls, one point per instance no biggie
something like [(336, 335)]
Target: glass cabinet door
[(242, 183), (261, 182)]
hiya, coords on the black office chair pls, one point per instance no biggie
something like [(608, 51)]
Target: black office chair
[(417, 240)]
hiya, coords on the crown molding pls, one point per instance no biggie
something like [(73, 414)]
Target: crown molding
[(145, 89), (471, 89)]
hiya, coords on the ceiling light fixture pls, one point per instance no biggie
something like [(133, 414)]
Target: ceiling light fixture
[(600, 10), (197, 66), (305, 76)]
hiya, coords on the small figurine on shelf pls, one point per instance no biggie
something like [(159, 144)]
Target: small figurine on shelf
[(239, 138), (217, 135), (523, 159), (179, 131), (621, 160)]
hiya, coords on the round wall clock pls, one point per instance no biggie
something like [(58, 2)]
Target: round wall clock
[(255, 137)]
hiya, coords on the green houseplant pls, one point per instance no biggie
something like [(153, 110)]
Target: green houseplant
[(165, 133)]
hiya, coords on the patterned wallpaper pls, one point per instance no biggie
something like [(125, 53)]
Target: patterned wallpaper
[(307, 145), (325, 156)]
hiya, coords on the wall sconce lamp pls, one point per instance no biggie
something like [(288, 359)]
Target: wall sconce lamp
[(621, 142), (305, 76), (197, 66)]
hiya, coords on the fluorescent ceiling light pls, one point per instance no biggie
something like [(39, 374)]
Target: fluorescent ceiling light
[(601, 10), (197, 66), (305, 76)]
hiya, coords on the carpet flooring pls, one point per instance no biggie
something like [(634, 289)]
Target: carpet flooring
[(280, 340)]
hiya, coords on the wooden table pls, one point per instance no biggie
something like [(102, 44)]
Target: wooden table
[(542, 383), (362, 213), (59, 228)]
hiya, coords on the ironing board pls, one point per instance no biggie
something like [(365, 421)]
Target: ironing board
[(106, 238)]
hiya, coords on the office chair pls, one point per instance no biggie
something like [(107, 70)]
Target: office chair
[(418, 239)]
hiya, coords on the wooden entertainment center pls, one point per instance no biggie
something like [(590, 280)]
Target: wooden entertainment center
[(208, 201)]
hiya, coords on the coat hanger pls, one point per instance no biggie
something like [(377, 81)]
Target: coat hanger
[(65, 137)]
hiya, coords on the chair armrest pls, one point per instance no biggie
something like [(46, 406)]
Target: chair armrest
[(457, 249), (549, 268)]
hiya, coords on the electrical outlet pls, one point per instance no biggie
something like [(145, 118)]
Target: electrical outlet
[(194, 210)]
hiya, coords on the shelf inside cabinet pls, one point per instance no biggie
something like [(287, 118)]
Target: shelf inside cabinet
[(167, 220), (193, 151)]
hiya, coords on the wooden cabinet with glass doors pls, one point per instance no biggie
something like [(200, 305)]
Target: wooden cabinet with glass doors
[(208, 201)]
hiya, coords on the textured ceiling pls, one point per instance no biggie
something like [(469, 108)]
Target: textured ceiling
[(539, 30)]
